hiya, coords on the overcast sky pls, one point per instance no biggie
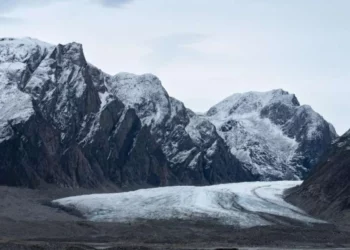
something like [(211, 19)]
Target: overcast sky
[(206, 50)]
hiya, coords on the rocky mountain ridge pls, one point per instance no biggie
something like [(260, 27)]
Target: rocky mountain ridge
[(326, 192), (66, 122), (271, 133)]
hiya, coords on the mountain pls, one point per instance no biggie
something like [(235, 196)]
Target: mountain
[(66, 122), (326, 192), (271, 133), (200, 159)]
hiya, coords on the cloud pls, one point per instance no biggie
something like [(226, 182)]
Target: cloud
[(10, 5), (166, 49), (9, 20), (115, 3)]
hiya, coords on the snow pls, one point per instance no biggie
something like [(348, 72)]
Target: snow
[(79, 87), (176, 107), (38, 79), (314, 122), (182, 156), (104, 98), (257, 141), (212, 149), (194, 161), (144, 93), (192, 129), (254, 140), (239, 204), (200, 129), (15, 57), (244, 103), (22, 49), (15, 106)]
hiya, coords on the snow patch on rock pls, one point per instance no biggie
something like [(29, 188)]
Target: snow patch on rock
[(144, 93), (15, 106), (261, 143)]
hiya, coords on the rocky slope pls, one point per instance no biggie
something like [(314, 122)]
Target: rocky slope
[(326, 192), (270, 133), (66, 122), (57, 127)]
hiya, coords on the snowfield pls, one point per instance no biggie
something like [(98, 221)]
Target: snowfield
[(240, 204)]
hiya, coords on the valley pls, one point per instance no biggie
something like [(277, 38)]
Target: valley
[(28, 221), (241, 205), (90, 160)]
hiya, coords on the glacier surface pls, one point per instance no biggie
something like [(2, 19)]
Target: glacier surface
[(239, 204)]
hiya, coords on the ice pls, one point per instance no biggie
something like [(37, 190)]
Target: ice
[(239, 204)]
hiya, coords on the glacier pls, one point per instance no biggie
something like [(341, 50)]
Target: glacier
[(240, 204)]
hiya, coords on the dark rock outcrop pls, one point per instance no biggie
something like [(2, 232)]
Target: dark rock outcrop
[(68, 137), (326, 192)]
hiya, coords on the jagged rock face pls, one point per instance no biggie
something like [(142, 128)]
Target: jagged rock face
[(65, 122), (57, 127), (326, 192), (195, 152), (271, 134)]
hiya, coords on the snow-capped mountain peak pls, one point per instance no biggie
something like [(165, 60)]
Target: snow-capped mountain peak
[(244, 103), (266, 131), (145, 93), (87, 125), (21, 50), (17, 56)]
